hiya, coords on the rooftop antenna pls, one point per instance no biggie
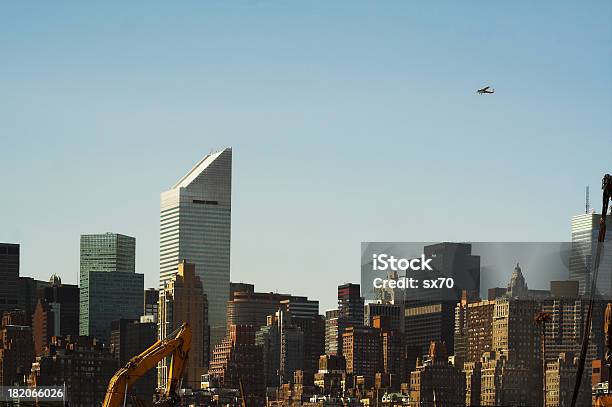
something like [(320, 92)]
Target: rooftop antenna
[(587, 206)]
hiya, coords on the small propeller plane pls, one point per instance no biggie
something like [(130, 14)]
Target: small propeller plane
[(485, 91)]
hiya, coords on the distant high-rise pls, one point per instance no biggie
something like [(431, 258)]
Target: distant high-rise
[(362, 351), (331, 332), (451, 260), (151, 299), (282, 345), (9, 275), (585, 231), (238, 362), (81, 365), (394, 312), (56, 314), (435, 381), (350, 309), (110, 289), (16, 348), (195, 225), (129, 338)]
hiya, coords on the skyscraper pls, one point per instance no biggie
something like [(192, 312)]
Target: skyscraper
[(435, 381), (9, 275), (56, 314), (195, 225), (129, 338), (585, 230), (331, 332), (151, 300), (110, 289), (183, 300), (350, 309), (283, 348)]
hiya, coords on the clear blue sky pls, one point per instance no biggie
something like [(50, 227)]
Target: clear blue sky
[(350, 121)]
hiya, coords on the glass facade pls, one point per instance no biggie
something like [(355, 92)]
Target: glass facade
[(110, 289), (585, 231)]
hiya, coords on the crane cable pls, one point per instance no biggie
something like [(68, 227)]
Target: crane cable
[(606, 186)]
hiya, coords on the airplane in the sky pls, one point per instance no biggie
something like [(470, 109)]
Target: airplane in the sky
[(486, 90)]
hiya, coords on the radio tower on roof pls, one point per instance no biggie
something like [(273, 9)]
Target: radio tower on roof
[(587, 206)]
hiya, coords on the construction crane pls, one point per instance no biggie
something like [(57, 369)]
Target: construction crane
[(176, 345), (606, 186)]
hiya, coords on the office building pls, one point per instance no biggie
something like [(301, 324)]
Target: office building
[(110, 289), (564, 332), (330, 374), (29, 290), (331, 332), (394, 313), (506, 381), (473, 382), (128, 339), (362, 351), (183, 300), (82, 364), (560, 381), (429, 322), (450, 260), (237, 359), (151, 301), (473, 329), (16, 348), (282, 345), (393, 352), (195, 225), (56, 313), (585, 232), (9, 275), (515, 332), (435, 381), (247, 307), (350, 309), (304, 314)]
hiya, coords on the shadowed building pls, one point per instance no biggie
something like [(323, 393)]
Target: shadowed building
[(16, 348), (238, 359), (435, 381), (128, 339), (56, 313), (82, 364), (282, 345), (9, 275), (362, 350), (350, 310), (151, 302), (183, 300), (560, 380)]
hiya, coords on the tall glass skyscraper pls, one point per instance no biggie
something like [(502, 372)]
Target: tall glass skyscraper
[(585, 231), (9, 275), (195, 225), (110, 289)]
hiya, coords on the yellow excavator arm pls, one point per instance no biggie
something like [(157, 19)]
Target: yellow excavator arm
[(177, 345)]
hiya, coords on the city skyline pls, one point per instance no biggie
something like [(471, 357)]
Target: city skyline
[(375, 96)]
